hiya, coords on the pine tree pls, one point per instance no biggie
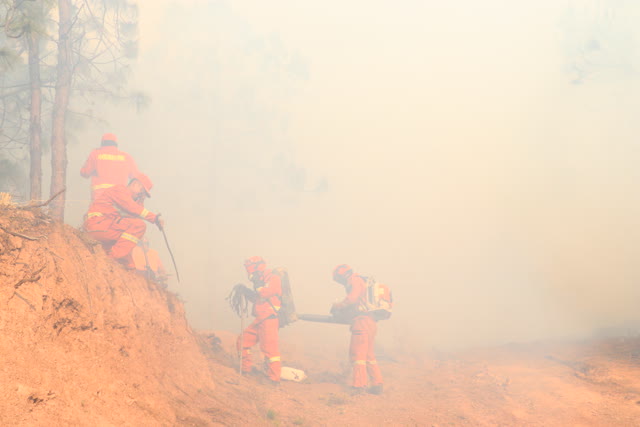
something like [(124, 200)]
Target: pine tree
[(93, 43)]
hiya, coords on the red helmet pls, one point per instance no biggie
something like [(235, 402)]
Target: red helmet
[(254, 264), (342, 273), (109, 137)]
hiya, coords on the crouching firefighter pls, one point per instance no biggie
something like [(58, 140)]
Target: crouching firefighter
[(266, 297), (358, 306), (116, 217)]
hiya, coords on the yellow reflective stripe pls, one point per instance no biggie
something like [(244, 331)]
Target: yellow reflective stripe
[(116, 157), (144, 213), (274, 359), (372, 362), (92, 214), (360, 362), (276, 307), (129, 237), (101, 186)]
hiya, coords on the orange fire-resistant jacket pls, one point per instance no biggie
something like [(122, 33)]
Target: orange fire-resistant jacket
[(116, 202), (108, 166), (269, 296)]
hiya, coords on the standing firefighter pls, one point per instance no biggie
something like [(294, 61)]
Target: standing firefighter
[(266, 298), (108, 166), (115, 218), (363, 329)]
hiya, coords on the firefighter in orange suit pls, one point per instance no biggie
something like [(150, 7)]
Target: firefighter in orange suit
[(266, 298), (107, 166), (115, 218), (363, 331)]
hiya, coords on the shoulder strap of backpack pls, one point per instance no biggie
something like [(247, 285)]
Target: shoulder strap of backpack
[(278, 272)]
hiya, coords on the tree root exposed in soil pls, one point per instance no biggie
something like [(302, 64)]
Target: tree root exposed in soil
[(13, 233), (39, 205), (35, 276)]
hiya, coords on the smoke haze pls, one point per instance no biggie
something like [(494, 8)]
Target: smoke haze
[(478, 157)]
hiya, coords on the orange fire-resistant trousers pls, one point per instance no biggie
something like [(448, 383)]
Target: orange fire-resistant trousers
[(126, 232), (363, 358), (265, 332)]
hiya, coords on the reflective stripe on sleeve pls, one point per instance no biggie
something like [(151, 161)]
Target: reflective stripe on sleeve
[(129, 237), (359, 362), (101, 186), (92, 214), (144, 213), (274, 359)]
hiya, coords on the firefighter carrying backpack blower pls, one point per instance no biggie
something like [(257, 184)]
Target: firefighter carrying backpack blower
[(272, 308), (366, 302)]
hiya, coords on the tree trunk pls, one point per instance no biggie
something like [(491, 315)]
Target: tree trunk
[(35, 132), (60, 103)]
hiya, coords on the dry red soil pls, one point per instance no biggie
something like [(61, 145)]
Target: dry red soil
[(85, 342)]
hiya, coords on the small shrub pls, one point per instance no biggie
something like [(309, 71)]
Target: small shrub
[(271, 414), (336, 400)]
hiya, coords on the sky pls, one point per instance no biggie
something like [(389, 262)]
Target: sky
[(477, 157)]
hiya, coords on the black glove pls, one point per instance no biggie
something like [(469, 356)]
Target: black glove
[(158, 222), (336, 308)]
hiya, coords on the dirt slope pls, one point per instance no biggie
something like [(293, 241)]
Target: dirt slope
[(84, 342)]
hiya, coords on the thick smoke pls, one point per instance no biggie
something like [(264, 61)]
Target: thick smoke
[(443, 147)]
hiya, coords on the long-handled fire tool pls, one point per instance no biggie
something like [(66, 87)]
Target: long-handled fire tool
[(147, 267), (168, 247)]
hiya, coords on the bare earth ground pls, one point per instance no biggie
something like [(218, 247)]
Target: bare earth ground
[(594, 383), (84, 342)]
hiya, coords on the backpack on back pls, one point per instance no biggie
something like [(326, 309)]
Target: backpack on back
[(287, 313), (378, 300)]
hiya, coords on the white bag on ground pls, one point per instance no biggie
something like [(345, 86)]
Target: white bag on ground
[(292, 374)]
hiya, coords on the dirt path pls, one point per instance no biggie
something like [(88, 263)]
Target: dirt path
[(552, 384)]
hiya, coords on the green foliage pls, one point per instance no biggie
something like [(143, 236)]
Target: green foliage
[(272, 415), (8, 59), (129, 29), (104, 40), (22, 17), (13, 177), (130, 49)]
